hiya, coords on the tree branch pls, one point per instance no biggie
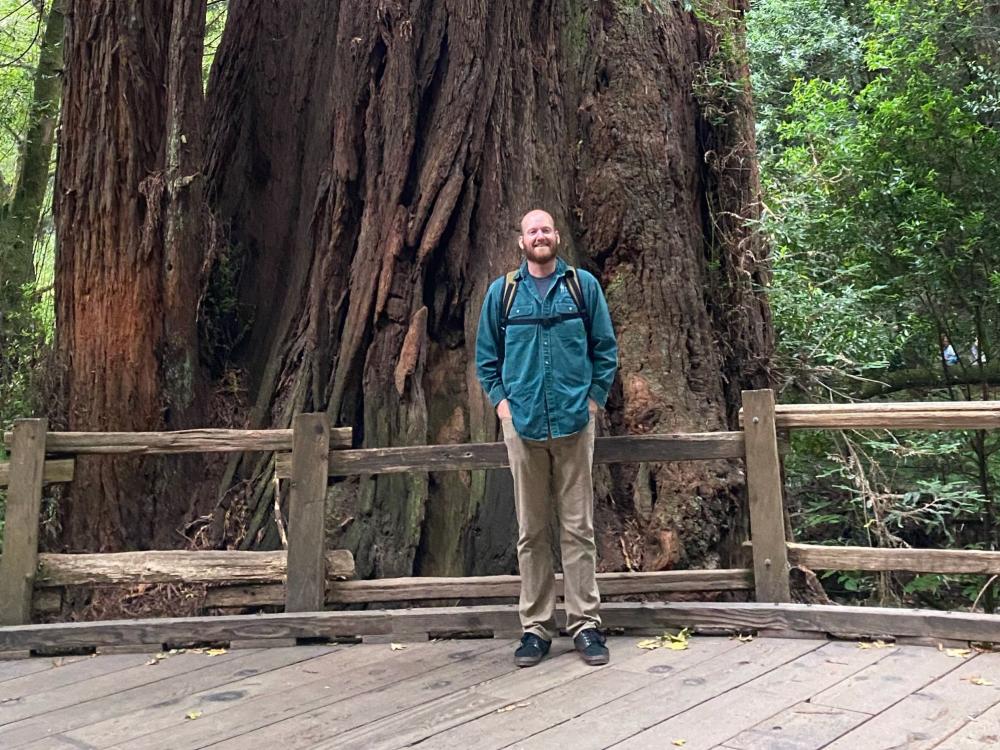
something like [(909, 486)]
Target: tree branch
[(893, 381)]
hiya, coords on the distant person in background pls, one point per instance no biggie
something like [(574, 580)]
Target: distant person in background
[(948, 352), (977, 356)]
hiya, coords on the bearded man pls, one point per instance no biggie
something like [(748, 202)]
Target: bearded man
[(546, 355)]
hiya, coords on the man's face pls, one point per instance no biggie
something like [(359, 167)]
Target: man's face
[(539, 238)]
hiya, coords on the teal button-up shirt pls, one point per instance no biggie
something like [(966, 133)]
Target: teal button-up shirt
[(547, 371)]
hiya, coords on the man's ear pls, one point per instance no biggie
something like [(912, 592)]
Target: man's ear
[(520, 241), (558, 240)]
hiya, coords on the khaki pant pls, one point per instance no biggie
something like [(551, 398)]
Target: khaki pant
[(555, 474)]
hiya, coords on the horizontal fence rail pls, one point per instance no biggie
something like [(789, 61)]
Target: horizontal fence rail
[(822, 557), (48, 599), (54, 470), (176, 566), (971, 415), (180, 441), (648, 617), (617, 449)]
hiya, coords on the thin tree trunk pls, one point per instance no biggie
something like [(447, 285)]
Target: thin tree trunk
[(129, 223)]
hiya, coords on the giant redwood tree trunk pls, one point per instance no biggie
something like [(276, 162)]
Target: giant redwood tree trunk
[(129, 222), (369, 161)]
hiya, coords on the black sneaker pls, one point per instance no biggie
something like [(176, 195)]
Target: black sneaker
[(531, 650), (590, 644)]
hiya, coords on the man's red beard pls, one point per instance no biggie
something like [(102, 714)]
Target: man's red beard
[(541, 252)]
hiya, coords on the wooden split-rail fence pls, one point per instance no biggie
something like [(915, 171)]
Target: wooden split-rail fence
[(308, 577)]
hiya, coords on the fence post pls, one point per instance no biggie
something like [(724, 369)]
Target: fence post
[(306, 586), (767, 522), (20, 535)]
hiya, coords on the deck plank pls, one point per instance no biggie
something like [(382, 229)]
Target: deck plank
[(350, 668), (13, 691), (670, 695), (378, 670), (147, 708), (767, 694), (58, 742), (10, 670), (568, 691), (905, 670), (933, 713), (349, 712), (981, 733), (804, 726), (509, 700), (64, 709), (755, 700)]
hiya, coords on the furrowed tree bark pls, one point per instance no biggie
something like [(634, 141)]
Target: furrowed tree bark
[(130, 221), (20, 216), (370, 162), (666, 181)]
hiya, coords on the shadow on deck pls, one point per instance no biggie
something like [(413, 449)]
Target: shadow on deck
[(759, 694)]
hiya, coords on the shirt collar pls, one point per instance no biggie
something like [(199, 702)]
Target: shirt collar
[(522, 272)]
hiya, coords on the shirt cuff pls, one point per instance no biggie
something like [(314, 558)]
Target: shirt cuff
[(497, 395), (599, 395)]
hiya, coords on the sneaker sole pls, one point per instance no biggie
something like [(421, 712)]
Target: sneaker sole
[(526, 661), (595, 661)]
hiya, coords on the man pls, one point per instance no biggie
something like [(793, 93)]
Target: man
[(547, 362)]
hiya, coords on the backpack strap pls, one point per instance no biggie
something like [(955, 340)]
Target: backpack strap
[(576, 292), (510, 283), (507, 300)]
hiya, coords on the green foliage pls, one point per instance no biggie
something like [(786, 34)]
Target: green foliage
[(880, 156), (30, 326), (793, 40), (881, 196), (21, 27), (215, 24)]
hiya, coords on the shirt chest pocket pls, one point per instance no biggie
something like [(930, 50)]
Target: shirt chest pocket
[(518, 326), (570, 327)]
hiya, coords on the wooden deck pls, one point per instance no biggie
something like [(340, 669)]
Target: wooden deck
[(763, 694)]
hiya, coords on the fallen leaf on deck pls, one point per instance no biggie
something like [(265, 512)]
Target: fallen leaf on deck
[(745, 638), (396, 646), (156, 659), (958, 653), (215, 651), (976, 680), (678, 642), (192, 715), (874, 644), (512, 706), (679, 743)]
